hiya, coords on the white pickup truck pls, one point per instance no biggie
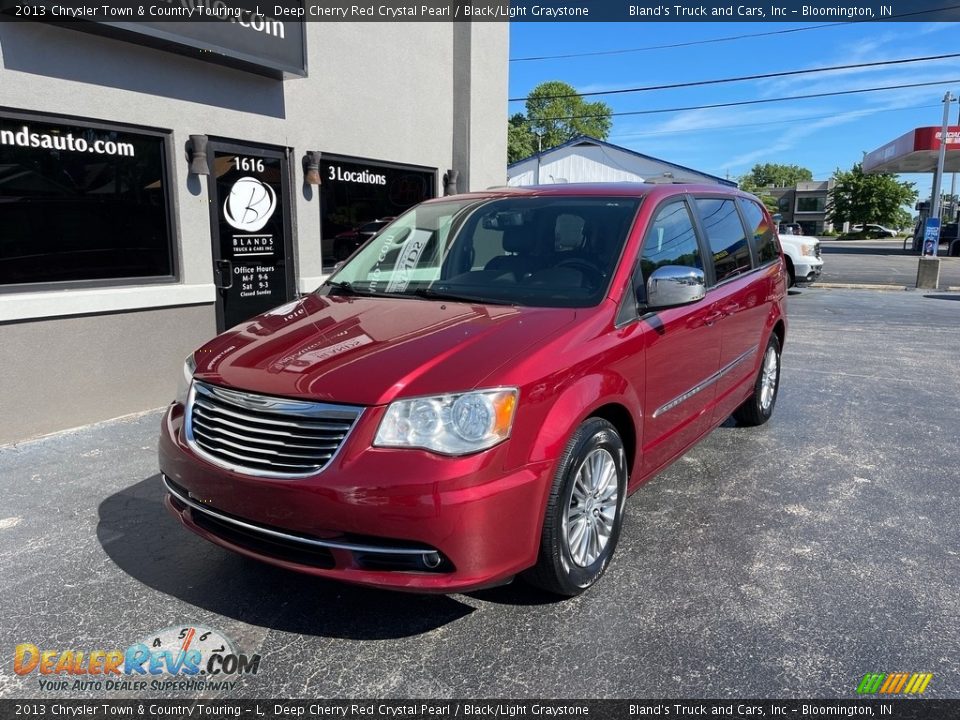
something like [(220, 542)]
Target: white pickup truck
[(802, 255)]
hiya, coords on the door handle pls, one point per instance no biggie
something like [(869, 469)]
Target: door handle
[(713, 317), (730, 308), (224, 265)]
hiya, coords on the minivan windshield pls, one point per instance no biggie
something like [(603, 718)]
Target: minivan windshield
[(546, 251)]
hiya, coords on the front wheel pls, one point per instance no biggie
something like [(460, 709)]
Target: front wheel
[(758, 408), (584, 511)]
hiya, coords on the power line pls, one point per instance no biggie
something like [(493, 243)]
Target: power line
[(727, 38), (871, 111), (742, 78), (740, 103), (689, 43)]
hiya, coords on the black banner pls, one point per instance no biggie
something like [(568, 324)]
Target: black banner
[(901, 709), (263, 38), (257, 33)]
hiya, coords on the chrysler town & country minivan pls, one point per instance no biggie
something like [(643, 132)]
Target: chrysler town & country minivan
[(473, 395)]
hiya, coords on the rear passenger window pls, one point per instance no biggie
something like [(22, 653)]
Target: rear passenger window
[(764, 240), (728, 242)]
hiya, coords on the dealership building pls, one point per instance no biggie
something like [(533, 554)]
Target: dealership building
[(162, 181)]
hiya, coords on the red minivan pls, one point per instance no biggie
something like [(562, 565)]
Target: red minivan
[(476, 391)]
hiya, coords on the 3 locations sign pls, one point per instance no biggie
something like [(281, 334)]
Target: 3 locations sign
[(236, 33)]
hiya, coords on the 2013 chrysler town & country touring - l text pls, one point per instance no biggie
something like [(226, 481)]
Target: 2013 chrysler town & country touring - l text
[(476, 391)]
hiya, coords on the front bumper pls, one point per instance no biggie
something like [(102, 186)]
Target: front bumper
[(399, 519), (808, 271)]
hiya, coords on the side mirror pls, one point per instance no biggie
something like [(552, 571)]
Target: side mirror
[(338, 265), (674, 285)]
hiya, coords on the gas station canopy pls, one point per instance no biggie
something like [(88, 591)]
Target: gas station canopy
[(915, 152)]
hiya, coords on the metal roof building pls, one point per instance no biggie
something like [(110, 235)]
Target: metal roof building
[(585, 159)]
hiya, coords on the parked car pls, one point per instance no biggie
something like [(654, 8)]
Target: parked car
[(475, 393), (345, 243), (803, 259), (874, 231)]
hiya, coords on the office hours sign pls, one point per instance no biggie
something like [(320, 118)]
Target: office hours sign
[(252, 250)]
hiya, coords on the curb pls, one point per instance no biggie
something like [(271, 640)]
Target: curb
[(869, 286), (861, 286)]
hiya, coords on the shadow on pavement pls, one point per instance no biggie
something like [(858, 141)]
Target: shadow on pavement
[(942, 297), (150, 545)]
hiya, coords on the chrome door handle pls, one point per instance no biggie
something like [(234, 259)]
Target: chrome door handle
[(713, 317)]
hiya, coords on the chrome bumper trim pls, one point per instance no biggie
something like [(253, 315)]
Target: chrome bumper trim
[(312, 542)]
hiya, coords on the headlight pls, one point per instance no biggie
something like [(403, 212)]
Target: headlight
[(808, 250), (186, 377), (455, 424)]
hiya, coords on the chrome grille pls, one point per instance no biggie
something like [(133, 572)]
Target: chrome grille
[(816, 249), (265, 435)]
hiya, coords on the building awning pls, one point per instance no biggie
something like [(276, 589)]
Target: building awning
[(915, 152)]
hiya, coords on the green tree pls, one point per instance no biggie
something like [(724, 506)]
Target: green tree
[(773, 175), (904, 219), (520, 139), (860, 198), (556, 113)]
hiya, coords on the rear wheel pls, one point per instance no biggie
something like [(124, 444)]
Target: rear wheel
[(758, 408), (584, 511)]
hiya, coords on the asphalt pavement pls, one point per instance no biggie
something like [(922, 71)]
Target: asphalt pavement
[(880, 262), (786, 561)]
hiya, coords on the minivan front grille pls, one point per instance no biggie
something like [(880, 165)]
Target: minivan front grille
[(264, 435)]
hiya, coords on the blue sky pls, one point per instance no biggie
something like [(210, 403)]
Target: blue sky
[(820, 134)]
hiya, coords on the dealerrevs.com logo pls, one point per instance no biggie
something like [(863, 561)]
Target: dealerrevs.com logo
[(175, 658)]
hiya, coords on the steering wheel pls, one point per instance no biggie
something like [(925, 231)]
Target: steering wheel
[(591, 273)]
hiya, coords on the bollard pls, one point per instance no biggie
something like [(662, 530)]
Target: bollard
[(928, 273)]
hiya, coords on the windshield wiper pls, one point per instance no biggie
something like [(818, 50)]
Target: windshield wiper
[(432, 294), (342, 287)]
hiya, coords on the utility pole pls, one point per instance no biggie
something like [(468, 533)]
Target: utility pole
[(539, 151), (935, 200), (928, 271), (953, 183)]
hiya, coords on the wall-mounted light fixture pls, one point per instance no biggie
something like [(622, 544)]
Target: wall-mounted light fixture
[(311, 167), (197, 155), (450, 178)]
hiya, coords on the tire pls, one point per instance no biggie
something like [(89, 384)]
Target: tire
[(758, 408), (791, 275), (586, 501)]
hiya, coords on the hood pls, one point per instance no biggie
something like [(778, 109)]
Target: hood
[(369, 351)]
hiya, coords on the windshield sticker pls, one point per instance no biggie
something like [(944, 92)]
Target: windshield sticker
[(407, 260)]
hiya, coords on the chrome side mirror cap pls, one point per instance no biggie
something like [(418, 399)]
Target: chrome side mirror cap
[(673, 285)]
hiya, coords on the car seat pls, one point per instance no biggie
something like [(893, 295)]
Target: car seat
[(520, 263)]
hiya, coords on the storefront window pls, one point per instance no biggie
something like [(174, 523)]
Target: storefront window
[(81, 203), (811, 204), (359, 197)]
